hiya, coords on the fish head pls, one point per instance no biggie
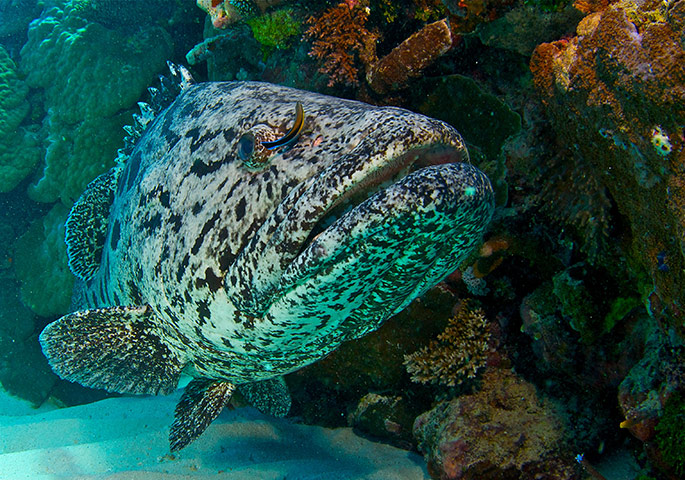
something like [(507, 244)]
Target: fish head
[(378, 205)]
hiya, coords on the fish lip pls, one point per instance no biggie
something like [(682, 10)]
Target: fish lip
[(254, 278), (392, 172)]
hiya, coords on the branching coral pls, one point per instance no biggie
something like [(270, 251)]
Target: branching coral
[(341, 40), (459, 352)]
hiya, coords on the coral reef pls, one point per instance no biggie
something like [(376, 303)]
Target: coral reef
[(340, 40), (385, 417), (325, 391), (459, 352), (115, 13), (90, 74), (76, 154), (40, 263), (606, 90), (525, 27), (466, 15), (482, 118), (670, 436), (651, 398), (16, 15), (19, 146), (503, 431)]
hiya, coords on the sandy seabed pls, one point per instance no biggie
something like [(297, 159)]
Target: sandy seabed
[(126, 438)]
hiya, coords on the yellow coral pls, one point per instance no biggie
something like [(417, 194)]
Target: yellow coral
[(459, 352)]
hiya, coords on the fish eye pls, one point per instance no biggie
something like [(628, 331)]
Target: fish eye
[(246, 146)]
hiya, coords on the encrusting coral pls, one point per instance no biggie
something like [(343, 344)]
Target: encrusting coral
[(605, 91), (459, 352), (341, 40)]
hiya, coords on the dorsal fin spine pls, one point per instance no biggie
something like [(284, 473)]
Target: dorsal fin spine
[(178, 80)]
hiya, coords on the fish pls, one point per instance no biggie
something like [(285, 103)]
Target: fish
[(204, 255)]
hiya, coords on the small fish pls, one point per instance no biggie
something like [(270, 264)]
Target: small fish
[(293, 134)]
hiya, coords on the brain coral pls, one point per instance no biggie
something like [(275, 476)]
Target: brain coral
[(19, 150), (90, 74), (605, 90)]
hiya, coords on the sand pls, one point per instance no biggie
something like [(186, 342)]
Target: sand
[(126, 438)]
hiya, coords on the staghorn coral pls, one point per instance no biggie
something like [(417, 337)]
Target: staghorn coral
[(459, 352), (341, 40)]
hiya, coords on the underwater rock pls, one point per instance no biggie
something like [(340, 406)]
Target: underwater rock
[(24, 370), (502, 431), (388, 418), (40, 263), (16, 16), (614, 94), (526, 26), (482, 118), (115, 13), (651, 398)]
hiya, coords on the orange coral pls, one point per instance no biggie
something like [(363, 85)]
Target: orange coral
[(591, 6), (459, 352), (341, 40)]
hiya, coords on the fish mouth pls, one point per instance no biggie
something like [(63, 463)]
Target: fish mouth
[(308, 230), (395, 170)]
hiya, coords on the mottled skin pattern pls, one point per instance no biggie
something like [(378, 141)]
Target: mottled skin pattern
[(220, 253)]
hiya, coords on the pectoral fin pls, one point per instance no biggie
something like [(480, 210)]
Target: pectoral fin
[(120, 349)]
